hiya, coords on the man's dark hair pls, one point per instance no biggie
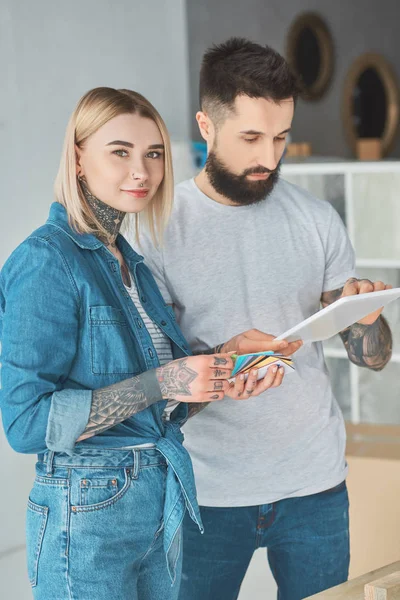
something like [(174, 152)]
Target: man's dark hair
[(241, 67)]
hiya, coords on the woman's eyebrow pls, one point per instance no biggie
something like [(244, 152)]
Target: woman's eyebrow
[(120, 143), (129, 145)]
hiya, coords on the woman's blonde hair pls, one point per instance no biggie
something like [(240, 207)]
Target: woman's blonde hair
[(95, 108)]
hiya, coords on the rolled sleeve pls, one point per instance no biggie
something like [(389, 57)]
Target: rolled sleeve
[(68, 417)]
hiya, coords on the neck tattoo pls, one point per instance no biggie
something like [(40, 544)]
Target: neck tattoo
[(109, 218)]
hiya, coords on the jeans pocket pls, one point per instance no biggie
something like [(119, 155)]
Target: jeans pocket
[(36, 521), (94, 491)]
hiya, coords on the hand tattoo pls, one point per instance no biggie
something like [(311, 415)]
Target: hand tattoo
[(218, 373), (175, 379), (220, 361)]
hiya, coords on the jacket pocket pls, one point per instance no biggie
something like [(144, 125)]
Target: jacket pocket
[(111, 342), (36, 521)]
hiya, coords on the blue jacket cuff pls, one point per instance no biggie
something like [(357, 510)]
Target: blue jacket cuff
[(68, 417)]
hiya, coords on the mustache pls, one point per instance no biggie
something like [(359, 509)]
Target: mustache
[(258, 171)]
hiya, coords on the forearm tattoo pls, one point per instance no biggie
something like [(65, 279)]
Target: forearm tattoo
[(367, 346), (196, 407), (118, 402), (215, 350)]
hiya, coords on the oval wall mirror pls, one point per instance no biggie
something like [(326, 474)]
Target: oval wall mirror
[(371, 102), (309, 51)]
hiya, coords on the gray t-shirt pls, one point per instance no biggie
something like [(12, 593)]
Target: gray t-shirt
[(227, 269)]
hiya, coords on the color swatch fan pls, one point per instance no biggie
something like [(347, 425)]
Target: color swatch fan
[(262, 361)]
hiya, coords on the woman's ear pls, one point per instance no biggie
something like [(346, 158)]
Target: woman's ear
[(79, 169)]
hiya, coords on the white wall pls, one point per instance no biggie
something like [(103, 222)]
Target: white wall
[(357, 26), (50, 54)]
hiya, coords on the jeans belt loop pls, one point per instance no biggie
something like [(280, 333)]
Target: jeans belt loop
[(49, 463), (136, 463)]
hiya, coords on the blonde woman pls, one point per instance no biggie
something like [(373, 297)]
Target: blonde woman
[(96, 373)]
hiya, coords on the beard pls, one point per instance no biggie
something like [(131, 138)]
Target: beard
[(238, 188)]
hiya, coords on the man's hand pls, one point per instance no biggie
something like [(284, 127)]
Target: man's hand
[(254, 340), (357, 286)]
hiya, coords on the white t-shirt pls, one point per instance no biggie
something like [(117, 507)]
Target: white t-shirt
[(228, 269)]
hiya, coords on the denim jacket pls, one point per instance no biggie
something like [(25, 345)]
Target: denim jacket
[(68, 326)]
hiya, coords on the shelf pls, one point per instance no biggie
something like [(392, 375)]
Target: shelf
[(333, 353), (377, 263), (352, 187), (340, 167)]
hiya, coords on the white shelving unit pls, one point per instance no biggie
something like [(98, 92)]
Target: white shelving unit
[(367, 197)]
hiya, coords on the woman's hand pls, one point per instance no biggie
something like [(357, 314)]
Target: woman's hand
[(201, 378), (241, 389)]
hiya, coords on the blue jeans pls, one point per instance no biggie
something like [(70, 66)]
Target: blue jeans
[(307, 541), (95, 527)]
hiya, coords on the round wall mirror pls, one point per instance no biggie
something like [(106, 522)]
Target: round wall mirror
[(309, 51), (371, 102)]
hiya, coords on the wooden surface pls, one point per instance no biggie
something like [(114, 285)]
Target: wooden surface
[(354, 589), (386, 588)]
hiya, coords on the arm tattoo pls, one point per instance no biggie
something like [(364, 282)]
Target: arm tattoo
[(197, 407), (215, 350), (118, 402), (367, 346), (330, 297)]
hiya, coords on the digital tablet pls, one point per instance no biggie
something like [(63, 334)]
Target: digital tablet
[(337, 316)]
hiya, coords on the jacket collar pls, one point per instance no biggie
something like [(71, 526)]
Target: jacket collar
[(59, 218)]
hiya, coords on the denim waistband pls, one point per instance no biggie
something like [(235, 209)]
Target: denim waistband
[(180, 492), (133, 458)]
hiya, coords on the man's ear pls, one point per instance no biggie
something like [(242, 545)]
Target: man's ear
[(206, 127), (79, 169)]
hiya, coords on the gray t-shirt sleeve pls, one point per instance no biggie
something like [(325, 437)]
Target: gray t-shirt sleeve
[(153, 258), (340, 257)]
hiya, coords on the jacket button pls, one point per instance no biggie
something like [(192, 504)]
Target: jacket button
[(163, 323), (143, 299), (151, 353)]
